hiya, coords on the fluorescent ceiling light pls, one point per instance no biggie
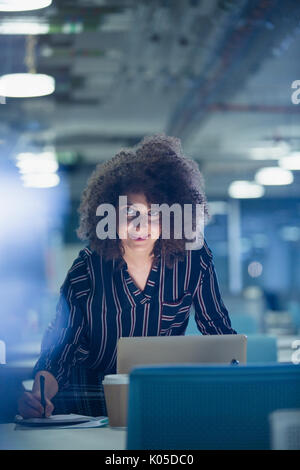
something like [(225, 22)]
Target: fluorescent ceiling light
[(245, 190), (40, 180), (274, 176), (23, 5), (290, 233), (273, 153), (26, 85), (37, 163), (23, 27), (291, 162)]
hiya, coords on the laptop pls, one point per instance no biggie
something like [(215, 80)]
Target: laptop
[(216, 349)]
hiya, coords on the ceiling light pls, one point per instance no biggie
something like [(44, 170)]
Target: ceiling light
[(270, 153), (40, 180), (245, 190), (23, 27), (37, 163), (290, 233), (26, 85), (274, 176), (291, 162), (21, 5)]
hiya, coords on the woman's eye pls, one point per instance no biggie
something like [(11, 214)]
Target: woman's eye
[(153, 213), (131, 212), (134, 213)]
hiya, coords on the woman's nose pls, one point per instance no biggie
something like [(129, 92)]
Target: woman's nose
[(142, 224)]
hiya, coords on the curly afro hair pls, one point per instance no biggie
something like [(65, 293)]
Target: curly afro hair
[(157, 168)]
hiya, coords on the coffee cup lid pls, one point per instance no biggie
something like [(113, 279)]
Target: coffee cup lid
[(115, 379)]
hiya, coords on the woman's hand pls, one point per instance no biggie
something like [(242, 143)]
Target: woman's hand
[(29, 405)]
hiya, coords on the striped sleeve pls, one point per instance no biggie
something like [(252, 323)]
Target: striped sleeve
[(63, 337), (211, 314)]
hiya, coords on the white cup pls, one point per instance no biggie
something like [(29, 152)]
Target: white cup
[(116, 397)]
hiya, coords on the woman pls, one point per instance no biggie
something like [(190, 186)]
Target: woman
[(138, 283)]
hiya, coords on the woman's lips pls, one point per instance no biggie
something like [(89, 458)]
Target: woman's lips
[(140, 239)]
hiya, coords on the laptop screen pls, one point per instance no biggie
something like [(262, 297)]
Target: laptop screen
[(217, 349)]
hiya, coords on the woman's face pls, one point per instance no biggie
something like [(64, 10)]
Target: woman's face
[(139, 228)]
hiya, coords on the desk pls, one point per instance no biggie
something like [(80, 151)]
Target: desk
[(17, 437)]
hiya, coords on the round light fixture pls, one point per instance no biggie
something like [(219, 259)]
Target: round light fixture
[(273, 152), (245, 190), (292, 162), (44, 162), (26, 85), (40, 180), (24, 27), (21, 5), (274, 176)]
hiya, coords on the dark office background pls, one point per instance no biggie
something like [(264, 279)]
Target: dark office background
[(215, 73)]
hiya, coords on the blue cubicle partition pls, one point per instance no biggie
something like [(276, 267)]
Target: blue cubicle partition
[(208, 407), (243, 323), (260, 347)]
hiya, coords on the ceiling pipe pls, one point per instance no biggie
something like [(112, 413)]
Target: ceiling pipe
[(253, 108), (195, 105)]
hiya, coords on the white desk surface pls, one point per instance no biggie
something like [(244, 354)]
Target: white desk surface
[(18, 437)]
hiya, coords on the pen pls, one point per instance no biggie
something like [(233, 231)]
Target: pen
[(42, 387)]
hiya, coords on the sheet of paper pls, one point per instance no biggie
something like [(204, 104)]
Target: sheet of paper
[(69, 417), (94, 423), (63, 420)]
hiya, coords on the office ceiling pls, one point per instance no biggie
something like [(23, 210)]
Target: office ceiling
[(216, 73)]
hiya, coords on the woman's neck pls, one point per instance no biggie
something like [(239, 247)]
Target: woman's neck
[(137, 260)]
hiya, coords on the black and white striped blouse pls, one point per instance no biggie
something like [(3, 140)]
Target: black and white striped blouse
[(99, 303)]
